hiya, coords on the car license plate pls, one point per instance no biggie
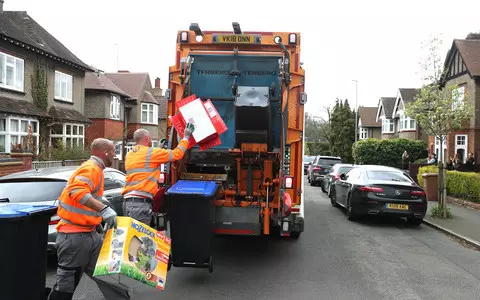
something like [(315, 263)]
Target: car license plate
[(397, 206), (235, 39)]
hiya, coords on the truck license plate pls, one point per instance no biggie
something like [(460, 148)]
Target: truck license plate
[(235, 39)]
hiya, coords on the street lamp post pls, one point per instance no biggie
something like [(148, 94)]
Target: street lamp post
[(356, 110)]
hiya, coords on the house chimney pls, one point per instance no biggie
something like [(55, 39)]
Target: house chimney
[(157, 81), (1, 6)]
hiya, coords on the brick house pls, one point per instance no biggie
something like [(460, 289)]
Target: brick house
[(368, 127), (406, 127), (142, 109), (462, 66), (384, 116), (105, 106), (24, 48), (162, 109)]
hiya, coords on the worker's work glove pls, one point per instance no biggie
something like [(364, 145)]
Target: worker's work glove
[(189, 129), (163, 143), (109, 216)]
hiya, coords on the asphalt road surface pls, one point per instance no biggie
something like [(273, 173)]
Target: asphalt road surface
[(333, 259)]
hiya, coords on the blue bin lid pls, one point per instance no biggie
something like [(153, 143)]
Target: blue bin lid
[(22, 210), (184, 187)]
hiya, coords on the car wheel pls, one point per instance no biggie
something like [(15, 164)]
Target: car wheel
[(333, 198), (350, 213), (312, 183), (414, 222), (323, 186), (295, 234), (308, 178)]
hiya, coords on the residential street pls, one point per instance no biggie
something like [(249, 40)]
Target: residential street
[(333, 259)]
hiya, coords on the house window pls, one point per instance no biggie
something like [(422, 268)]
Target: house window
[(63, 86), (444, 147), (458, 96), (18, 134), (363, 133), (461, 146), (150, 113), (115, 107), (387, 126), (11, 72), (68, 135), (407, 123)]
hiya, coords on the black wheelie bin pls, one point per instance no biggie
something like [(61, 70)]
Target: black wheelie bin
[(191, 213), (23, 254)]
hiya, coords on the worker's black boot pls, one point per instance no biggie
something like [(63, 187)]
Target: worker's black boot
[(56, 295)]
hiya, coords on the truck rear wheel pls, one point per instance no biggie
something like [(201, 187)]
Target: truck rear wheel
[(295, 234)]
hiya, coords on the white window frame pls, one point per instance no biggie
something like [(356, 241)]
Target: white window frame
[(114, 107), (63, 89), (406, 122), (148, 107), (444, 147), (80, 138), (387, 122), (464, 146), (18, 66), (363, 133), (8, 133), (458, 97)]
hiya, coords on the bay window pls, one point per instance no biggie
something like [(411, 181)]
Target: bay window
[(150, 113), (63, 86), (68, 135), (11, 72), (387, 126), (115, 107), (18, 134), (363, 133), (407, 123)]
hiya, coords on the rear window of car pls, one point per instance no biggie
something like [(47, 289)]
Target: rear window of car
[(30, 191), (388, 176), (308, 159), (328, 161), (344, 170)]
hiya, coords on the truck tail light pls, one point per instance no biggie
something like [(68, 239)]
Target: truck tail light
[(288, 182), (54, 220), (184, 36), (371, 189), (292, 38), (161, 178)]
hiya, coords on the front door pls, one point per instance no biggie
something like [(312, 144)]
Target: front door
[(461, 146)]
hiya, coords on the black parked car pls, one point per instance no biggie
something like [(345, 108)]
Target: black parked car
[(307, 160), (380, 190), (328, 182), (44, 186), (320, 166)]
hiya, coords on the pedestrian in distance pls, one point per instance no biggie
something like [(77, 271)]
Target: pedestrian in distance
[(405, 160), (142, 165), (80, 211)]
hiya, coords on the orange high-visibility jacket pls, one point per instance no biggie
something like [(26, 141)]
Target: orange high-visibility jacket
[(85, 182), (142, 165)]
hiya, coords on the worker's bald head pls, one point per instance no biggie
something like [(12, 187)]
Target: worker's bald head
[(104, 149), (142, 137)]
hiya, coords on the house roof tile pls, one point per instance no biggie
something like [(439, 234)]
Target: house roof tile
[(470, 51), (408, 95), (20, 107), (19, 26), (388, 104), (67, 114), (131, 83), (98, 81), (368, 116)]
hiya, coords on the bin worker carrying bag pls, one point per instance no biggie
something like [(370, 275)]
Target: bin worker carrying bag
[(81, 211), (142, 165)]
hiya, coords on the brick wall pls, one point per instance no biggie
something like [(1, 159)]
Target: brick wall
[(15, 162), (104, 128)]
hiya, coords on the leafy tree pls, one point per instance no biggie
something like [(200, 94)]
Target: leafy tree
[(439, 109), (342, 126)]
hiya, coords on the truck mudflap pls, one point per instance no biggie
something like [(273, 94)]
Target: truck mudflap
[(237, 220), (292, 225)]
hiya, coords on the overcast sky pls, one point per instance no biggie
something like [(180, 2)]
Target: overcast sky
[(376, 42)]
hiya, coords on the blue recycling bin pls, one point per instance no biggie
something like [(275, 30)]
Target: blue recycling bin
[(23, 254), (191, 211)]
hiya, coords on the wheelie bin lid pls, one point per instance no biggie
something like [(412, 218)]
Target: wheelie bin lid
[(10, 211), (199, 188)]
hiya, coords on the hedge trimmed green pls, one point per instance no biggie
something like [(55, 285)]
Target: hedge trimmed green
[(386, 152), (465, 185)]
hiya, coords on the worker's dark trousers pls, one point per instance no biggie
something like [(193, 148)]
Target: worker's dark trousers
[(140, 211), (77, 254)]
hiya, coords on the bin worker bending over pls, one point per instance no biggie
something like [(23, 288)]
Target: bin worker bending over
[(80, 211), (142, 165)]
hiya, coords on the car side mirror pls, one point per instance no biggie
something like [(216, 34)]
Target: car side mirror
[(343, 176)]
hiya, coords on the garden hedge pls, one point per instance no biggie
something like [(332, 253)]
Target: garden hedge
[(387, 152), (465, 185)]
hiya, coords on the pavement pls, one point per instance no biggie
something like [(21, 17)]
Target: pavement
[(334, 258), (464, 224)]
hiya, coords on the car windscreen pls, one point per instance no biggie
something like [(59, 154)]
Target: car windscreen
[(308, 159), (328, 161), (30, 191), (343, 170), (388, 176)]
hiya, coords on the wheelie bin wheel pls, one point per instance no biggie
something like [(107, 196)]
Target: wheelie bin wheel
[(210, 265)]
